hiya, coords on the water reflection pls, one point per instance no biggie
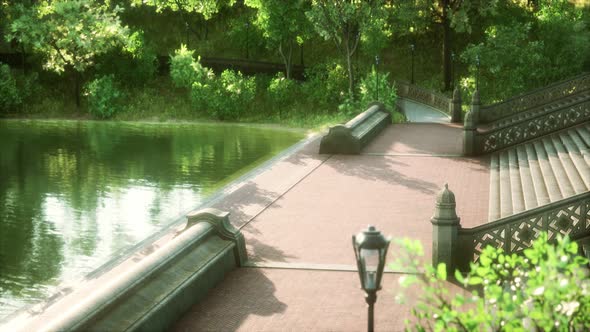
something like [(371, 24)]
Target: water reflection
[(74, 193)]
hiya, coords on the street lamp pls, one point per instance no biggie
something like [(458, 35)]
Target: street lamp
[(370, 250), (187, 30), (477, 74), (412, 49), (452, 70), (377, 77), (247, 40)]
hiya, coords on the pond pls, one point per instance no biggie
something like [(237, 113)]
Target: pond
[(75, 194)]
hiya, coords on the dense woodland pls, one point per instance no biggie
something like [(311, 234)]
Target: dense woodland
[(141, 59)]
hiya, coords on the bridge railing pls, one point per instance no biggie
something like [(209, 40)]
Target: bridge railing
[(439, 101), (458, 247), (563, 105), (535, 98)]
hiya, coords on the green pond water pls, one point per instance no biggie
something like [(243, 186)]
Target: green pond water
[(75, 194)]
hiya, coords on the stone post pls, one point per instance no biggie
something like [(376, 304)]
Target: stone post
[(470, 126), (446, 224), (455, 105)]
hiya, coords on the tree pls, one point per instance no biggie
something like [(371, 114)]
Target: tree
[(448, 14), (205, 8), (69, 34), (545, 41), (283, 24), (344, 22)]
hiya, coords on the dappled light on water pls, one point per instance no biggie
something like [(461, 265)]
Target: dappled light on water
[(73, 195)]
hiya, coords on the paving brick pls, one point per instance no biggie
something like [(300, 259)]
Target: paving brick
[(304, 210)]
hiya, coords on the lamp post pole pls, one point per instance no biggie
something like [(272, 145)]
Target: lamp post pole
[(187, 29), (247, 40), (371, 298), (377, 77), (412, 49), (452, 71), (477, 63)]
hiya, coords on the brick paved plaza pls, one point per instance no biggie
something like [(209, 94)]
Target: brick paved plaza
[(298, 217)]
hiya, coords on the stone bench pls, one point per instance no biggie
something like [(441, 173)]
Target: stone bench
[(351, 137)]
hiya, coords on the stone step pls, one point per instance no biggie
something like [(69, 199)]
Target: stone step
[(494, 206), (515, 183), (577, 157), (539, 172), (553, 188), (573, 172), (580, 144), (557, 165), (541, 193), (505, 189), (528, 186)]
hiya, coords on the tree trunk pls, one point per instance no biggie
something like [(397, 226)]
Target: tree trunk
[(447, 46), (350, 74), (287, 58), (77, 88)]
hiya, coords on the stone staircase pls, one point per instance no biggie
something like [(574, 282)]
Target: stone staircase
[(539, 172)]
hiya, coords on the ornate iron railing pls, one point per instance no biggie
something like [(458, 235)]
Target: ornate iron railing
[(529, 128), (535, 98), (570, 216), (424, 96)]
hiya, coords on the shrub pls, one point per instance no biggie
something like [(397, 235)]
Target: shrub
[(103, 96), (282, 91), (326, 84), (10, 98), (376, 87), (545, 289), (226, 97), (185, 70)]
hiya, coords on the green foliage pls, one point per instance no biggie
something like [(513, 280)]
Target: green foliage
[(225, 98), (531, 48), (206, 8), (134, 65), (104, 97), (346, 23), (283, 92), (10, 98), (185, 70), (376, 87), (545, 289), (68, 34), (325, 84), (283, 24)]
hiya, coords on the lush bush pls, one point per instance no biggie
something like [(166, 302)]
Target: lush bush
[(10, 98), (283, 92), (545, 289), (226, 97), (104, 97), (185, 70), (375, 86), (326, 84)]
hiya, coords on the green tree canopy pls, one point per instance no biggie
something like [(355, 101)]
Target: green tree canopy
[(283, 24), (344, 22), (68, 34)]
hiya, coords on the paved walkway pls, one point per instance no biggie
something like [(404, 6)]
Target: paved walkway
[(298, 218), (417, 112)]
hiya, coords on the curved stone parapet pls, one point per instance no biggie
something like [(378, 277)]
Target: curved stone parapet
[(152, 288)]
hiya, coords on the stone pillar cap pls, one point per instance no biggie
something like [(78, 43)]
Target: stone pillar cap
[(445, 213)]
